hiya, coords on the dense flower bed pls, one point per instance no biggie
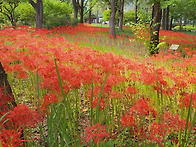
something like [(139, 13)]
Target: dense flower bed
[(137, 100)]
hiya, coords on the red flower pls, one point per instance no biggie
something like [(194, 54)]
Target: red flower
[(131, 90), (22, 115), (11, 138), (50, 99), (115, 94), (184, 102), (102, 104), (96, 133), (141, 107), (158, 132), (127, 121)]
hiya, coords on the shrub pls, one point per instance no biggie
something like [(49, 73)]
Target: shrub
[(129, 17), (26, 14), (56, 13)]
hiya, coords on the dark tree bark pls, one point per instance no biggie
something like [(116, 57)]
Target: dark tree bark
[(7, 100), (155, 27), (38, 6), (171, 22), (136, 9), (163, 20), (89, 16), (75, 4), (181, 23), (97, 16), (167, 19), (112, 18), (121, 11), (82, 11)]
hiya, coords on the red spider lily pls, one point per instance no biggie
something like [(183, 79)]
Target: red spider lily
[(131, 90), (148, 77), (127, 121), (174, 123), (102, 103), (192, 80), (115, 94), (11, 138), (50, 99), (169, 125), (158, 132), (5, 102), (22, 116), (185, 101), (95, 133), (141, 108)]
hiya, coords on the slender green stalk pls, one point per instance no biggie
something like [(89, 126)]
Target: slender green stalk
[(100, 95), (63, 93), (189, 133), (91, 111), (184, 141)]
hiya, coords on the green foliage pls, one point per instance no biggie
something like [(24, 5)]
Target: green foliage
[(26, 14), (183, 9), (144, 16), (7, 9), (1, 18), (106, 15), (187, 28), (56, 13), (129, 17)]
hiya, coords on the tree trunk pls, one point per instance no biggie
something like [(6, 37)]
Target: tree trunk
[(155, 27), (181, 23), (97, 16), (75, 4), (163, 20), (38, 6), (167, 19), (112, 18), (82, 11), (90, 17), (185, 21), (7, 100), (171, 21), (121, 11), (136, 9)]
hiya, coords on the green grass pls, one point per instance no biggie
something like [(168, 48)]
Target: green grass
[(187, 32), (126, 32)]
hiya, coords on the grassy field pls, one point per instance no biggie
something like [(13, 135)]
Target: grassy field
[(77, 86)]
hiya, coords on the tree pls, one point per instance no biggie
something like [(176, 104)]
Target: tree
[(129, 17), (7, 8), (90, 12), (163, 19), (136, 10), (75, 4), (121, 12), (81, 6), (112, 18), (155, 27), (38, 6), (7, 100), (167, 19), (56, 13), (25, 13)]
